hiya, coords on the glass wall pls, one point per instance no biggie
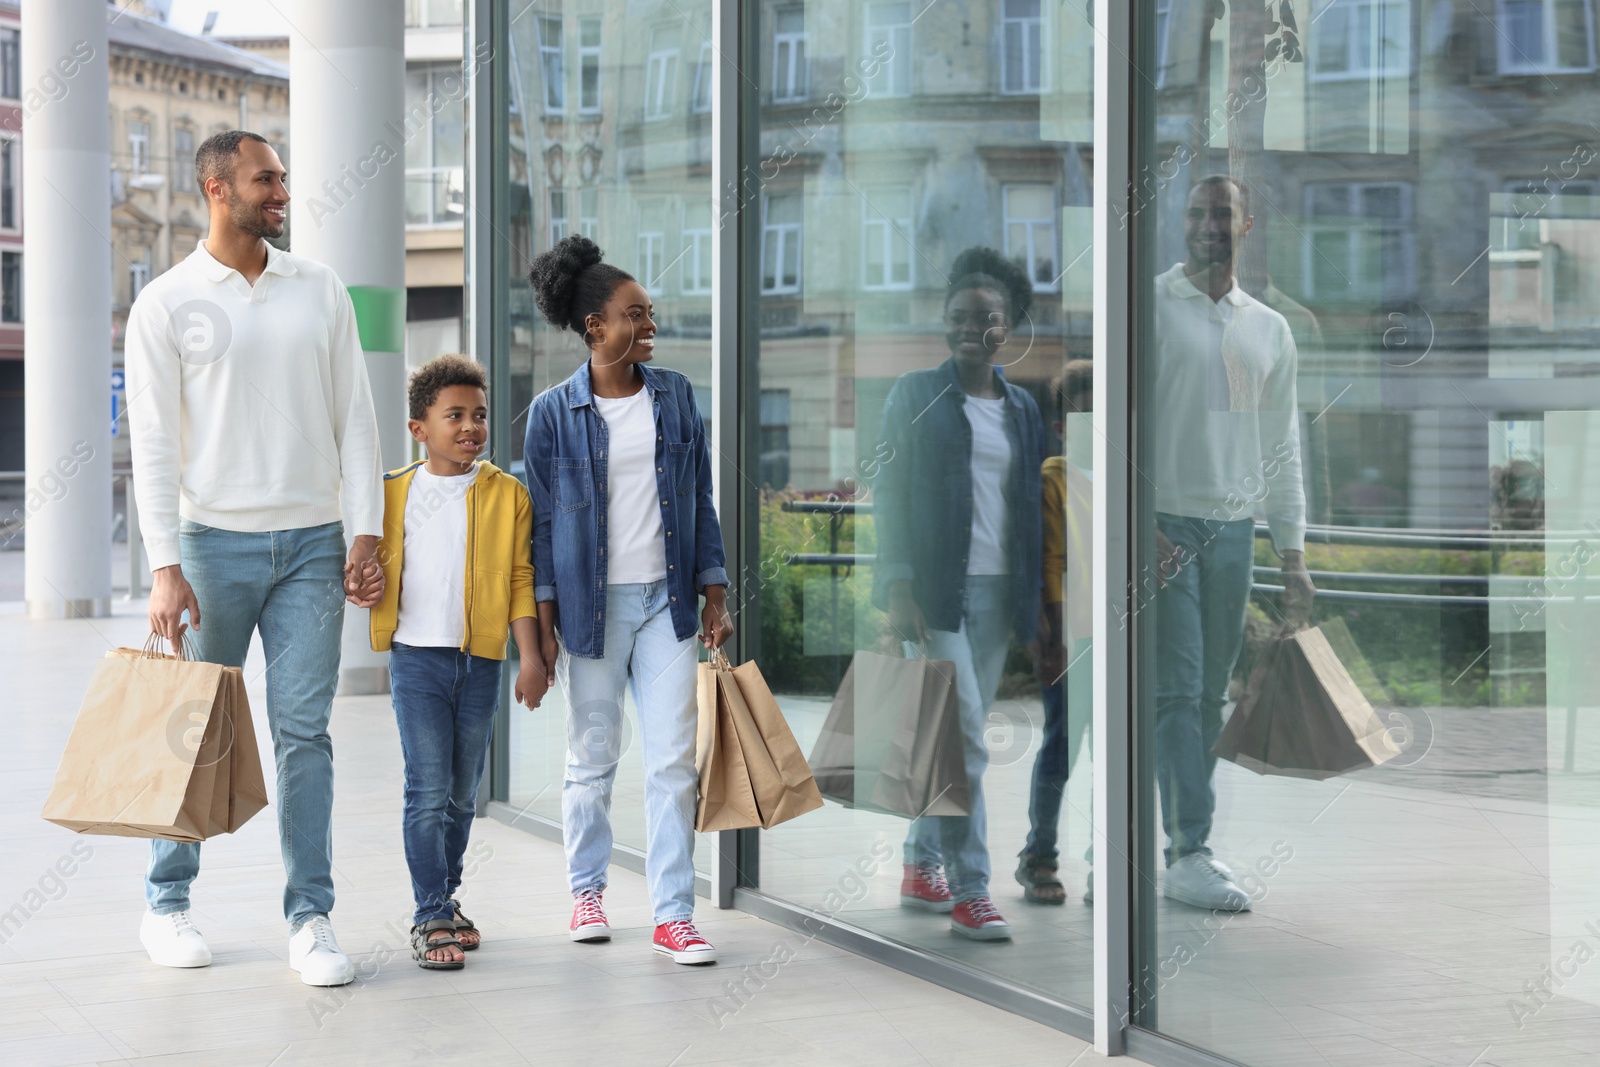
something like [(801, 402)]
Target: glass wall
[(1366, 365), (922, 191), (1365, 238), (608, 134)]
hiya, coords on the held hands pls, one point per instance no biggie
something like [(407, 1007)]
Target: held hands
[(363, 577), (716, 625), (536, 643), (533, 682)]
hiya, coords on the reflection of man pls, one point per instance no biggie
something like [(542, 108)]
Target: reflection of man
[(1226, 444), (253, 431)]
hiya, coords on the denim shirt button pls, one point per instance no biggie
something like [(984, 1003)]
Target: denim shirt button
[(669, 533), (670, 567), (674, 600)]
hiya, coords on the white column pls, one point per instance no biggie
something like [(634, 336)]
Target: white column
[(66, 213), (347, 185)]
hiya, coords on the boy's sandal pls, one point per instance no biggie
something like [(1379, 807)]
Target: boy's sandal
[(464, 926), (1039, 882), (421, 945)]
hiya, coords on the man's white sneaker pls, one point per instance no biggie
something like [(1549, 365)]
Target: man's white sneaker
[(315, 953), (1196, 880), (172, 940)]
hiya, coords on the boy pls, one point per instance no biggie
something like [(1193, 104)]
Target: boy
[(1064, 631), (456, 554)]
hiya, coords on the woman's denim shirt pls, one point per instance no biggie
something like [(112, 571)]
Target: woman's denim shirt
[(565, 456), (922, 497)]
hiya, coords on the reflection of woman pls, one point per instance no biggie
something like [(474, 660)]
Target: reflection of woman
[(625, 539), (957, 507)]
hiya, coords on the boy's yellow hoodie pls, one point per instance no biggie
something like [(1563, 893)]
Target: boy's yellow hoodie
[(499, 579)]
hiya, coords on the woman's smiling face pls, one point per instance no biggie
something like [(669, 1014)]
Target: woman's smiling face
[(625, 330), (975, 324)]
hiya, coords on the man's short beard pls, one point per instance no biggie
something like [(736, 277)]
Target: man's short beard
[(255, 224)]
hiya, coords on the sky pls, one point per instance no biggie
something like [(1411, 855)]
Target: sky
[(234, 17)]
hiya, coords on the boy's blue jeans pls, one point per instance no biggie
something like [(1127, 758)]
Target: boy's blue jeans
[(290, 584), (1066, 723), (444, 701)]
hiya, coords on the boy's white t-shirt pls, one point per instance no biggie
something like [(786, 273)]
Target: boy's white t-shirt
[(991, 465), (433, 563), (636, 542)]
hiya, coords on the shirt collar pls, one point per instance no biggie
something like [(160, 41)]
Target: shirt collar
[(278, 262), (582, 391), (1179, 285), (953, 380)]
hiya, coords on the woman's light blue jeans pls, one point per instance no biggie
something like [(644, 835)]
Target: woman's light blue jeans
[(641, 649)]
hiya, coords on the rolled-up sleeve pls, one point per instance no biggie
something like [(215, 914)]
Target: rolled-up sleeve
[(538, 446)]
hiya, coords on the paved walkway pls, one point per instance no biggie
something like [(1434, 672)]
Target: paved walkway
[(76, 988)]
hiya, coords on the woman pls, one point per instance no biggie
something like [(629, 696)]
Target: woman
[(957, 505), (624, 539)]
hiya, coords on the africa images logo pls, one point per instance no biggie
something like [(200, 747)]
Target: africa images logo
[(202, 332)]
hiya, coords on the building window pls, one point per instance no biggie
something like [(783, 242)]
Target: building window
[(780, 243), (588, 65), (10, 286), (183, 160), (661, 72), (1523, 229), (10, 65), (558, 215), (10, 217), (550, 62), (1030, 224), (589, 213), (138, 146), (774, 438), (1021, 51), (886, 238), (138, 274), (697, 248), (1162, 21), (422, 14), (789, 54), (1352, 39), (889, 45), (700, 100), (652, 243), (1546, 36), (1358, 243), (436, 148)]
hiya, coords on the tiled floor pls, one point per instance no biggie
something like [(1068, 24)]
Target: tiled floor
[(75, 987), (1405, 915)]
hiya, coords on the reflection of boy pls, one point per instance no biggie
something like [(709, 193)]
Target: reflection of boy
[(1065, 627), (457, 560)]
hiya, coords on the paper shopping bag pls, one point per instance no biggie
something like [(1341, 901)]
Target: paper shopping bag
[(1302, 714), (892, 739), (162, 747), (752, 772)]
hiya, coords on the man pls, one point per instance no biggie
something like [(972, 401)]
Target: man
[(253, 430), (1226, 444)]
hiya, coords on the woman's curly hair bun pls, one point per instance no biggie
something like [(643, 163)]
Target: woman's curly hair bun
[(572, 281)]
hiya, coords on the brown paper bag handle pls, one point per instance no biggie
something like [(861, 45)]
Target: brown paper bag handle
[(184, 649), (719, 660)]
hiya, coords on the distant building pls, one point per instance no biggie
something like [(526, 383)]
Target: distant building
[(169, 91)]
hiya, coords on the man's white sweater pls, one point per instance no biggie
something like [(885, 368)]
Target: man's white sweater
[(249, 406)]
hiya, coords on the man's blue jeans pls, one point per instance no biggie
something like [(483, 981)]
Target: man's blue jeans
[(444, 700), (978, 650), (1200, 615), (642, 650), (1066, 723), (290, 585)]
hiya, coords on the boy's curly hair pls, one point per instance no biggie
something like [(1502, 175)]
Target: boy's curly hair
[(441, 373)]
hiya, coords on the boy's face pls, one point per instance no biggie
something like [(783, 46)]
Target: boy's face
[(456, 426)]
